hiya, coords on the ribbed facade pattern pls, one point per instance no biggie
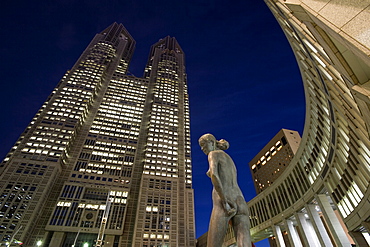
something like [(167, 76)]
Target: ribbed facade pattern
[(332, 165)]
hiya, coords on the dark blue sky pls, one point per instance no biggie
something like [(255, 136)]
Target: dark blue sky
[(244, 84)]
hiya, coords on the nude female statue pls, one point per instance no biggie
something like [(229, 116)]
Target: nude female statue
[(228, 200)]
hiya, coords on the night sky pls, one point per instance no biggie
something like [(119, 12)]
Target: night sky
[(244, 84)]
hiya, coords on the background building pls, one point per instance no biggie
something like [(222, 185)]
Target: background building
[(107, 156), (272, 160)]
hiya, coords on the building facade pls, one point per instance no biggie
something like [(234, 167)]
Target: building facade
[(272, 160), (329, 174), (106, 160), (323, 196)]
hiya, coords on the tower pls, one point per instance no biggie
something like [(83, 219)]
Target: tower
[(107, 154)]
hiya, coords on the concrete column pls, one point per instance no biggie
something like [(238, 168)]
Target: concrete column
[(334, 225), (359, 239), (57, 239), (278, 236), (366, 225), (309, 237), (318, 226), (292, 234)]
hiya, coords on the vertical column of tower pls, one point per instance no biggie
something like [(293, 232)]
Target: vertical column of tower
[(186, 216), (181, 194), (36, 167), (110, 44), (132, 211), (189, 203), (40, 150), (160, 215), (86, 157)]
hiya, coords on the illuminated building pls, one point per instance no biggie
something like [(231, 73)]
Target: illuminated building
[(107, 157), (272, 160)]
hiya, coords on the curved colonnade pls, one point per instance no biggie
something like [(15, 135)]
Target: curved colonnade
[(327, 182)]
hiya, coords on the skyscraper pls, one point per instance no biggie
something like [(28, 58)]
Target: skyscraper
[(107, 157), (272, 160)]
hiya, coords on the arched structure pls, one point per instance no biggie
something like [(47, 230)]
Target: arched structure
[(328, 181)]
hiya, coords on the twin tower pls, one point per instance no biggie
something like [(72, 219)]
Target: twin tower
[(107, 156)]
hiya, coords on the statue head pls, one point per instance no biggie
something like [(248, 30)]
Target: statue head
[(208, 143)]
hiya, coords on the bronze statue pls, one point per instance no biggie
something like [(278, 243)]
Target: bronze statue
[(228, 200)]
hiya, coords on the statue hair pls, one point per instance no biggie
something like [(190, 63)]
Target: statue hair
[(221, 144)]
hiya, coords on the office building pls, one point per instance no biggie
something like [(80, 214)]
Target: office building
[(106, 159), (272, 160)]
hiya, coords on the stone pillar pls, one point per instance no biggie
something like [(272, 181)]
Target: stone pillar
[(334, 225), (278, 236), (57, 239), (359, 239), (292, 234), (309, 237), (318, 225), (366, 225)]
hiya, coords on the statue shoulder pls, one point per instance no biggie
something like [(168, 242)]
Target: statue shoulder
[(216, 154)]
